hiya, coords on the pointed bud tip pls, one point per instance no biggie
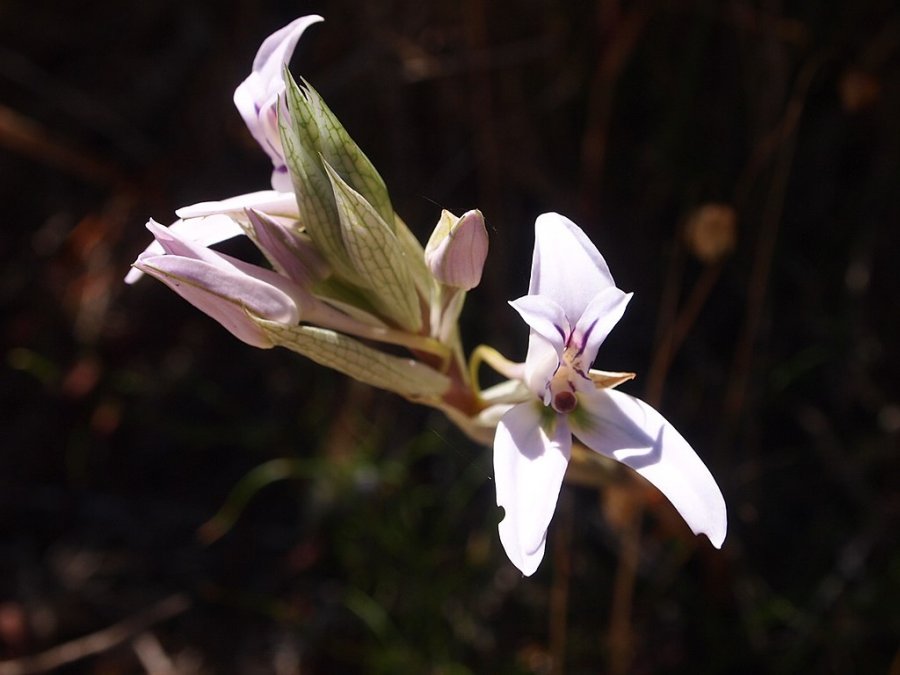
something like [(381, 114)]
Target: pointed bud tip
[(457, 249)]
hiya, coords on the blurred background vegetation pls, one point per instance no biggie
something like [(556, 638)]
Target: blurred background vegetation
[(738, 164)]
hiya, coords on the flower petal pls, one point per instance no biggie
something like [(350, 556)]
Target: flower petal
[(630, 431), (599, 318), (256, 98), (545, 317), (566, 266), (529, 466), (290, 253), (276, 50), (203, 231), (546, 341), (225, 294), (270, 202)]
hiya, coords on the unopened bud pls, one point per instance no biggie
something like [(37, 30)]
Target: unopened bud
[(457, 249)]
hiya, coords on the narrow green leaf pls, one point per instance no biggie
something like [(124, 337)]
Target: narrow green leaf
[(407, 377), (376, 255), (246, 489)]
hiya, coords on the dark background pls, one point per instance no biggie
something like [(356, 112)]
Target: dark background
[(128, 417)]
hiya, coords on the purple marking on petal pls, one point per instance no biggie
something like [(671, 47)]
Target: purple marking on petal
[(561, 332), (281, 168), (585, 337), (272, 147), (579, 371)]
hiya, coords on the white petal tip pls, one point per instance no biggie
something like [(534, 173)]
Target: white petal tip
[(134, 275), (717, 539), (526, 563)]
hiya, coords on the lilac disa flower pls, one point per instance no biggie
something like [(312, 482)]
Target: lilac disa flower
[(229, 290), (571, 306), (256, 98)]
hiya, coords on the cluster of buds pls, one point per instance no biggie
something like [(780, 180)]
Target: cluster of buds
[(347, 275), (348, 283)]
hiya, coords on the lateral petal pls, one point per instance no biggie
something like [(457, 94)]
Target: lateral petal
[(545, 317), (599, 318), (632, 432)]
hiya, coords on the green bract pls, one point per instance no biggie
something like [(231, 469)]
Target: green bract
[(407, 377)]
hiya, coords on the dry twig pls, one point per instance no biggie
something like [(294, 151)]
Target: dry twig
[(99, 642)]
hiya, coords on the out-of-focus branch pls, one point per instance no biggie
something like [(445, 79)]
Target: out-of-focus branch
[(99, 642), (25, 136)]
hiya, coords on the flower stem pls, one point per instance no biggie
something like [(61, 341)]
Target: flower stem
[(496, 360)]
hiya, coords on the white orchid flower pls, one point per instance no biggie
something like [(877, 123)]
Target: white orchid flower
[(571, 307), (257, 97)]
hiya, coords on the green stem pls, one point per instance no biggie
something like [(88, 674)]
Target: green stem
[(496, 360)]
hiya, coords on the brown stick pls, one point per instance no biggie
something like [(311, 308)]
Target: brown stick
[(559, 591), (621, 637), (768, 235), (99, 642), (25, 136)]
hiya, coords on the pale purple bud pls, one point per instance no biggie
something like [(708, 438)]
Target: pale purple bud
[(457, 249), (289, 251), (229, 290)]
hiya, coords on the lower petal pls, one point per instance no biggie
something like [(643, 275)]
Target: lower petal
[(529, 465), (226, 294), (632, 432), (202, 231)]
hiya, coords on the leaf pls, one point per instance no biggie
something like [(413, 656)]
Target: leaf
[(346, 158), (404, 376), (377, 255), (315, 199)]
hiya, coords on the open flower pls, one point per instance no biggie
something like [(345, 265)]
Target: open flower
[(571, 307), (257, 97)]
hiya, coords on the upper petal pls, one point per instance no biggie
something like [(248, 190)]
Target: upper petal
[(266, 80), (566, 266), (256, 98), (276, 50), (529, 465), (632, 432)]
